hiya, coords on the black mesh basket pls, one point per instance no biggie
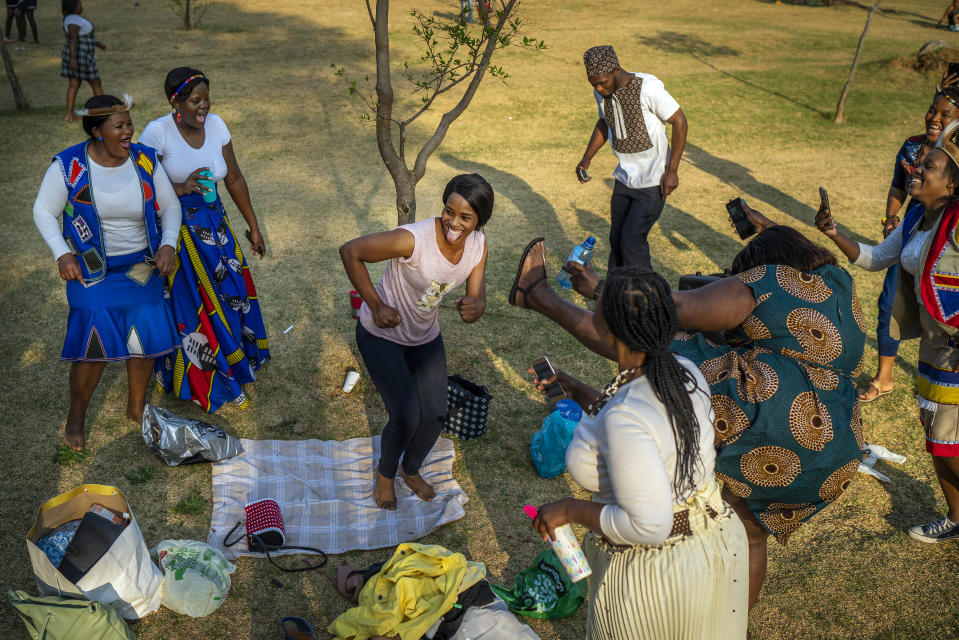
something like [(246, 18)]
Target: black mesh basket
[(468, 406)]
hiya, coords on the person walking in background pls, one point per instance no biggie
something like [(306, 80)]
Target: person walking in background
[(109, 214), (77, 62), (634, 109), (217, 310), (22, 11), (398, 332), (942, 111)]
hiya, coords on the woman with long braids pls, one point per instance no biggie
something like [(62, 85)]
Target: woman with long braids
[(787, 424), (927, 307), (659, 530)]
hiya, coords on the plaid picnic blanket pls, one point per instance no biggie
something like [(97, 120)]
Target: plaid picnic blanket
[(325, 492)]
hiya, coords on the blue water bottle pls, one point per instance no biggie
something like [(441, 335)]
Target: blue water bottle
[(581, 253)]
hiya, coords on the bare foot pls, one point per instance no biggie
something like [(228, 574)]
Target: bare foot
[(73, 436), (136, 415), (419, 486), (384, 494), (531, 277), (69, 117)]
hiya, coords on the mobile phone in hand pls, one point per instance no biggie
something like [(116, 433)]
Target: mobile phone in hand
[(952, 69), (582, 175), (544, 370), (744, 227), (824, 199)]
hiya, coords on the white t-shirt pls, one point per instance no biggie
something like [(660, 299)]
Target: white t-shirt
[(179, 158), (119, 202), (626, 457), (86, 27), (646, 168)]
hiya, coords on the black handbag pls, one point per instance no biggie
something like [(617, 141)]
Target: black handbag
[(468, 408)]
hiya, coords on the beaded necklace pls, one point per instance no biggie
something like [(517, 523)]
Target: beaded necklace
[(610, 390)]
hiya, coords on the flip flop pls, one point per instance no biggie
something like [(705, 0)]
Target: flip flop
[(872, 385), (303, 630), (519, 272)]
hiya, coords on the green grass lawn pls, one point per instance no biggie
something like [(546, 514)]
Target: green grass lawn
[(758, 81)]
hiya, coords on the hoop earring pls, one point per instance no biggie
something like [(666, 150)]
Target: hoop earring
[(178, 117)]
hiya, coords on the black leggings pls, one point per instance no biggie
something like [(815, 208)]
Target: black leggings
[(412, 382)]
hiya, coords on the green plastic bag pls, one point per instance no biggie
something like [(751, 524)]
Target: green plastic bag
[(57, 618), (544, 590)]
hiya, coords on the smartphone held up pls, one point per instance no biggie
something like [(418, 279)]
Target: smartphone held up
[(737, 213), (544, 370)]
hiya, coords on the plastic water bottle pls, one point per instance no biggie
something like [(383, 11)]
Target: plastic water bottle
[(567, 549), (581, 253)]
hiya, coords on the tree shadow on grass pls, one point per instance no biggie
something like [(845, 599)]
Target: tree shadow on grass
[(537, 210), (674, 43), (741, 178), (896, 14)]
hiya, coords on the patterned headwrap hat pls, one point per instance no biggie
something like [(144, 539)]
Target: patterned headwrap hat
[(600, 60), (949, 141), (951, 94)]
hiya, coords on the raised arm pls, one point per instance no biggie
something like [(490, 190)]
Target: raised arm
[(376, 247)]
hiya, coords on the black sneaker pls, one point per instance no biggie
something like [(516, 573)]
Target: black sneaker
[(941, 530)]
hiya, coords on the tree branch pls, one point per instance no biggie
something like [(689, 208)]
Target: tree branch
[(419, 168)]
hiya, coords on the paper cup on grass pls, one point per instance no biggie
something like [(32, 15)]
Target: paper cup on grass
[(352, 376)]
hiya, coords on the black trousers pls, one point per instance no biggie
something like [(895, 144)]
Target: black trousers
[(633, 212), (412, 382)]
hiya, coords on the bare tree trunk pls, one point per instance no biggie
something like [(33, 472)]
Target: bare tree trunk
[(852, 70), (404, 180), (18, 97), (186, 15)]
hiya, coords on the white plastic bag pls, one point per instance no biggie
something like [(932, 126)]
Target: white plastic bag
[(196, 576)]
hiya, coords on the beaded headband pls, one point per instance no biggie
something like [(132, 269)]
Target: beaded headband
[(185, 83), (127, 104)]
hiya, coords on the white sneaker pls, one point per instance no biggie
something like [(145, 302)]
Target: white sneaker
[(941, 530)]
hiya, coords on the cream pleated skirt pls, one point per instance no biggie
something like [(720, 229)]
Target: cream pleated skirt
[(691, 587)]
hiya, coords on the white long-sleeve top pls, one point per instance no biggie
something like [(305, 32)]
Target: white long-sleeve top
[(119, 202), (626, 456), (890, 251)]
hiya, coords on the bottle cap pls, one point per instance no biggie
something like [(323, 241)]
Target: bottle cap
[(590, 242), (530, 510)]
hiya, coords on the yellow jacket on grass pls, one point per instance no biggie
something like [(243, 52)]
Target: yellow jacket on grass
[(412, 591)]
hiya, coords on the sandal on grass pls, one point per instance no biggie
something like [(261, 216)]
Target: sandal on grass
[(519, 273), (349, 581), (302, 630), (864, 393)]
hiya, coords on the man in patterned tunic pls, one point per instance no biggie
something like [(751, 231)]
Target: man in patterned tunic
[(633, 111)]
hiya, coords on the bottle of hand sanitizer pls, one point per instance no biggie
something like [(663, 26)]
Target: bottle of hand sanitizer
[(567, 549)]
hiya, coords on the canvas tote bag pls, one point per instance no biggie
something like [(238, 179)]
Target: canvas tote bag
[(125, 577)]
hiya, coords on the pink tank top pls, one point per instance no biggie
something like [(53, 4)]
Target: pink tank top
[(415, 286)]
